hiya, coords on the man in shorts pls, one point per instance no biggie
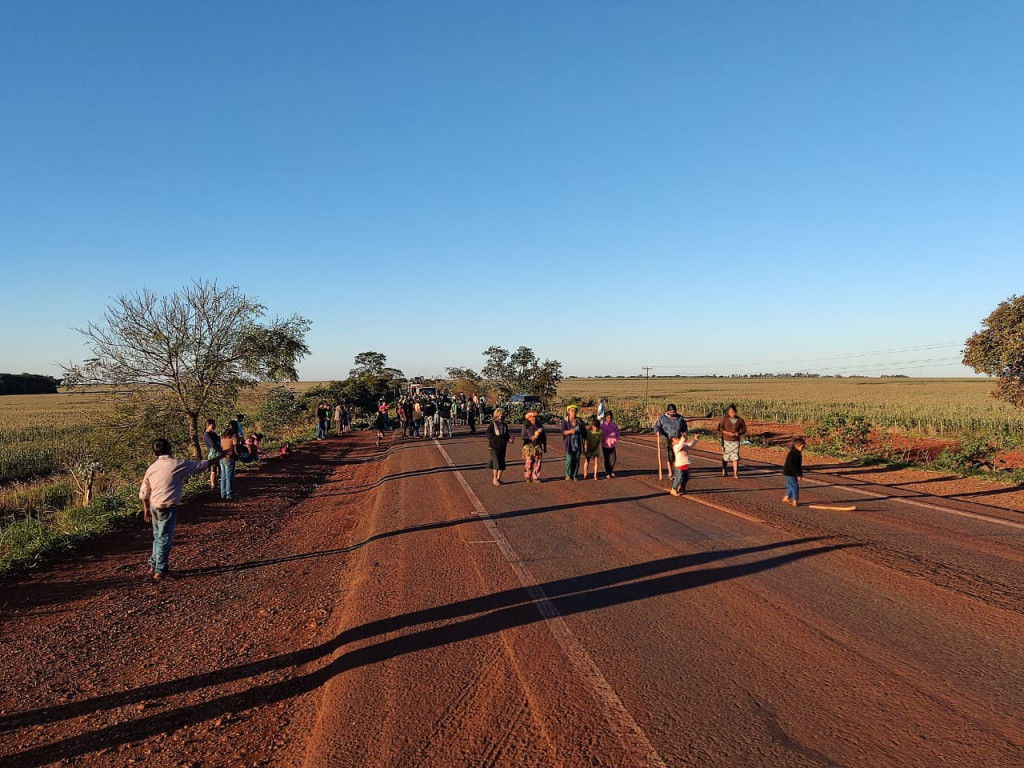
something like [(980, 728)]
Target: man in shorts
[(732, 427)]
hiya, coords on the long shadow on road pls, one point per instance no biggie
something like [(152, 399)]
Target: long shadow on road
[(465, 619), (403, 531)]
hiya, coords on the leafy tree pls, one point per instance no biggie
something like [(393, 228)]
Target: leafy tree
[(279, 409), (462, 373), (998, 350), (369, 364), (370, 380), (464, 380), (522, 371), (188, 353)]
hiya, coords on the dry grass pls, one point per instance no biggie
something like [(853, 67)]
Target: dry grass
[(60, 410)]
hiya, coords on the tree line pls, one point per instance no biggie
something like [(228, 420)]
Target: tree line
[(27, 384)]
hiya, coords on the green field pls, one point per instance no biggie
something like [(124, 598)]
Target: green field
[(951, 408), (44, 437)]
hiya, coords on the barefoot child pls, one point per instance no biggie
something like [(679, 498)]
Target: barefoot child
[(793, 470), (681, 449)]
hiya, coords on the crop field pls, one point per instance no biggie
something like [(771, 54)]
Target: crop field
[(38, 432), (952, 408)]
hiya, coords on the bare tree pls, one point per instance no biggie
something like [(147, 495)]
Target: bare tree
[(194, 349)]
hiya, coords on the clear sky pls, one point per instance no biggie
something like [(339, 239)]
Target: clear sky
[(704, 187)]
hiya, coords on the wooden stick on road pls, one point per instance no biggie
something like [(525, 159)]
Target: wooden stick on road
[(831, 508)]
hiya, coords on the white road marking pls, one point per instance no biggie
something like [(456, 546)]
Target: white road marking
[(854, 489), (615, 713), (923, 504)]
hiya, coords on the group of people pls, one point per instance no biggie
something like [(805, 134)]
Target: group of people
[(580, 439), (232, 446), (731, 429), (586, 440), (343, 415), (164, 480), (435, 415)]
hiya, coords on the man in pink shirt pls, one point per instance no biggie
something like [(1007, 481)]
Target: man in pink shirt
[(160, 493)]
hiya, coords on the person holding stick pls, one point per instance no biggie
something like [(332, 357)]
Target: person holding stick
[(669, 425)]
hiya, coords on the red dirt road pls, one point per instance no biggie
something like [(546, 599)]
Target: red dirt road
[(365, 607)]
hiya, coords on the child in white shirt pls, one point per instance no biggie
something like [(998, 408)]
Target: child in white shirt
[(681, 449)]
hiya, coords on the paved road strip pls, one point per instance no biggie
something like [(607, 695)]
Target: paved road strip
[(615, 713), (861, 491)]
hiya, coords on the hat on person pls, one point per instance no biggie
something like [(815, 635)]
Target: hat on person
[(532, 412), (572, 407)]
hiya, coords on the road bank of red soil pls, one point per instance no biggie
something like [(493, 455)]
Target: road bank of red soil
[(103, 666)]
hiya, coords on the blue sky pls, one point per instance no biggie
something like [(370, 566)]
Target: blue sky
[(703, 187)]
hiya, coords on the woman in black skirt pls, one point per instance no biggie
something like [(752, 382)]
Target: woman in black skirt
[(498, 439)]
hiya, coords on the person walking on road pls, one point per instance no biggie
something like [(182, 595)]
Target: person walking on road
[(429, 412), (160, 494), (681, 476), (417, 419), (338, 420), (610, 436), (793, 470), (592, 446), (670, 425), (535, 443), (498, 438), (573, 439), (732, 428), (380, 423), (444, 412)]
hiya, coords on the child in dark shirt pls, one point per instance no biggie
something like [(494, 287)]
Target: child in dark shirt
[(793, 470)]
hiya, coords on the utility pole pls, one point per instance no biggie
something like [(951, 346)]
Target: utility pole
[(647, 395)]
